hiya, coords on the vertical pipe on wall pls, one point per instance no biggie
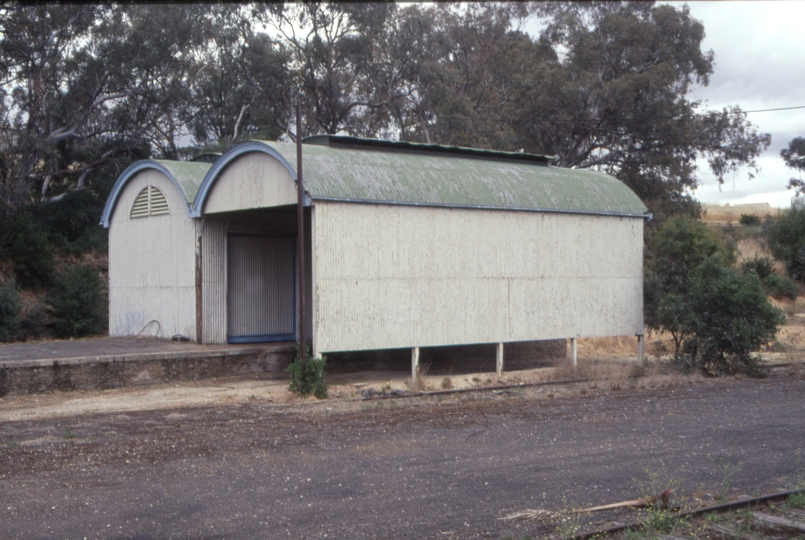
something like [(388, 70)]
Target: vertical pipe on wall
[(300, 224), (199, 281), (499, 359)]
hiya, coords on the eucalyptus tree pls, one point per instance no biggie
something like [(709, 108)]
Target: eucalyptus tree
[(794, 157), (614, 95), (346, 83), (86, 86), (241, 87)]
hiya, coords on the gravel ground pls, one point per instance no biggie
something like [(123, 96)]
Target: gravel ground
[(410, 468)]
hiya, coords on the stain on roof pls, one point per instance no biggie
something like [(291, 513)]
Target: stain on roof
[(459, 180)]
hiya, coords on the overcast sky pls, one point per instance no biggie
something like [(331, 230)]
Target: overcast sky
[(759, 51)]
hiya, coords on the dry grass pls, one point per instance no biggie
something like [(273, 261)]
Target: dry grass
[(421, 383), (617, 375), (608, 347), (727, 214)]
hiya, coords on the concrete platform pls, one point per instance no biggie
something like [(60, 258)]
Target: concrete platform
[(101, 363)]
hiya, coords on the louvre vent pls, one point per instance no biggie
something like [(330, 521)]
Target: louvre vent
[(149, 202), (140, 206), (159, 204)]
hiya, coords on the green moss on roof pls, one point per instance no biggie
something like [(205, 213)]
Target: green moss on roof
[(188, 175), (412, 178)]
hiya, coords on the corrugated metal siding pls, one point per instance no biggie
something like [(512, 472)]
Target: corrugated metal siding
[(260, 287), (213, 284), (251, 181), (395, 276), (151, 264)]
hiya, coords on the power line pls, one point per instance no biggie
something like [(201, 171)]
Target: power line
[(777, 109)]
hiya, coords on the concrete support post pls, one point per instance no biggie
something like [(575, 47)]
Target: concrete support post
[(499, 359), (414, 365), (641, 349), (573, 351)]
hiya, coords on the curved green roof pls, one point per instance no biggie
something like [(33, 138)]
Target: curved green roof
[(188, 175), (397, 173), (368, 175)]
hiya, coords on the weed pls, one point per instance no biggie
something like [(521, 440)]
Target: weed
[(420, 385), (447, 383), (69, 435), (797, 500), (568, 524), (661, 521), (476, 379), (728, 471), (308, 377)]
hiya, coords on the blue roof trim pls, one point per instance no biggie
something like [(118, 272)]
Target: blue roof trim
[(246, 147), (127, 175)]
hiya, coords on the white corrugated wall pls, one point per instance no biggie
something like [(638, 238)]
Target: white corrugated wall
[(213, 280), (400, 276), (152, 264)]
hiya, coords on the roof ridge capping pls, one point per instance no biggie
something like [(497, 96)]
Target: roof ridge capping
[(356, 143)]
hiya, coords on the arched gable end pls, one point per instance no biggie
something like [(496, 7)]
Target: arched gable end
[(128, 174), (223, 165)]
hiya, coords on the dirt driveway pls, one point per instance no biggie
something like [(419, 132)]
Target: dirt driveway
[(430, 468)]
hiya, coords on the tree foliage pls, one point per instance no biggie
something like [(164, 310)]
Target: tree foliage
[(730, 317), (716, 315), (87, 88), (785, 235), (10, 307), (794, 157), (79, 302), (675, 251)]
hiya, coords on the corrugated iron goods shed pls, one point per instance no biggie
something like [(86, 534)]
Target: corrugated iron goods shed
[(410, 245)]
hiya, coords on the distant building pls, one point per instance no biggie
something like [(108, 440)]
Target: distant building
[(409, 245)]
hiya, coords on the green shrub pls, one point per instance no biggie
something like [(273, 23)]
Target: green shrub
[(763, 267), (780, 287), (9, 311), (676, 249), (308, 377), (71, 222), (79, 302), (33, 322), (749, 220), (785, 235), (25, 244), (730, 317)]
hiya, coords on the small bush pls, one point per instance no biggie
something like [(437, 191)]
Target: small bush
[(24, 243), (71, 222), (79, 302), (308, 377), (763, 267), (749, 220), (9, 311), (780, 287), (33, 321), (730, 318)]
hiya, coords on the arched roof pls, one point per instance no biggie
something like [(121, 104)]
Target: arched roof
[(186, 176), (407, 174), (246, 147), (424, 177)]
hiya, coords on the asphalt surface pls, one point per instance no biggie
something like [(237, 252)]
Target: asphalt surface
[(393, 469)]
